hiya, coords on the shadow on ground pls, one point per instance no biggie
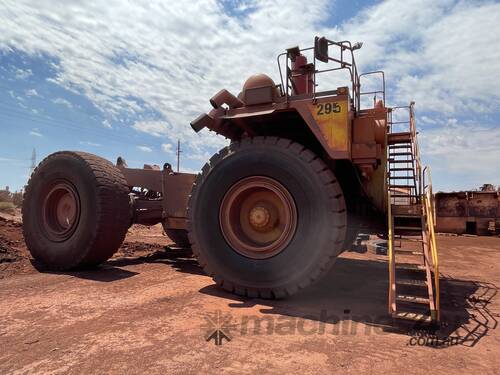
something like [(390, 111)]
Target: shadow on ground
[(355, 291), (180, 259)]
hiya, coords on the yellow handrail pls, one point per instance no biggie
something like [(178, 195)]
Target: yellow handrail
[(390, 254), (429, 207)]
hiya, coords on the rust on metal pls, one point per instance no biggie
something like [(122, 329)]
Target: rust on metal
[(258, 217), (294, 108), (468, 212), (60, 211)]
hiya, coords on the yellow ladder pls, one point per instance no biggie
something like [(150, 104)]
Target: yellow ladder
[(412, 250)]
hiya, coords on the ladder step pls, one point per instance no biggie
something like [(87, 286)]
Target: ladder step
[(395, 138), (400, 154), (408, 215), (390, 160), (411, 282), (401, 227), (398, 237), (413, 299), (394, 147), (401, 177), (404, 196), (408, 252), (410, 267), (412, 316), (400, 169), (401, 186), (404, 209)]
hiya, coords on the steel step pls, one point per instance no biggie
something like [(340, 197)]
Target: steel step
[(410, 267), (403, 209), (402, 227), (402, 186), (411, 282), (400, 169), (399, 161), (394, 138), (412, 299), (394, 147), (404, 196), (401, 177), (407, 252), (400, 154), (409, 215), (406, 315), (409, 239)]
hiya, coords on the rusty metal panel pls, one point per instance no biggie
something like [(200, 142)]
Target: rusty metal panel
[(483, 204), (451, 224), (467, 211), (176, 190), (150, 179), (451, 205)]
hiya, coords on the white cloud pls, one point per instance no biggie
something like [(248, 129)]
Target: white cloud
[(443, 54), (23, 73), (145, 148), (31, 92), (35, 132), (62, 101), (88, 143), (154, 128), (107, 124), (467, 151), (167, 147)]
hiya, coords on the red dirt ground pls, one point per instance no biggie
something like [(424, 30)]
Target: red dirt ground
[(150, 309)]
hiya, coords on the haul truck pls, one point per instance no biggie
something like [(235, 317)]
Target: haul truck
[(269, 214)]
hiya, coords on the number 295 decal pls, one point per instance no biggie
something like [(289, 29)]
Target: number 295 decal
[(327, 108)]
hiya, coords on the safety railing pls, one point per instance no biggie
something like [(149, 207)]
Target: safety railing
[(428, 206), (410, 126), (375, 93), (391, 256), (345, 61)]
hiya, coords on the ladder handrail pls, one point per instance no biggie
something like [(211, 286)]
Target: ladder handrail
[(429, 214), (390, 251)]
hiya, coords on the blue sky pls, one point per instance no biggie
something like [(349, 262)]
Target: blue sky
[(116, 78)]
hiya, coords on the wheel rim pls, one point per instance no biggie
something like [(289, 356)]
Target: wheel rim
[(61, 211), (258, 217)]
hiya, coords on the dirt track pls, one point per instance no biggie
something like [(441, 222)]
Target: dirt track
[(150, 309)]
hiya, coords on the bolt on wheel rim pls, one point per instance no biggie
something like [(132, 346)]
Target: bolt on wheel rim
[(60, 211), (258, 217)]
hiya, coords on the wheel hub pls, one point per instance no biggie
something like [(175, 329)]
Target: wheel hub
[(258, 217), (60, 211)]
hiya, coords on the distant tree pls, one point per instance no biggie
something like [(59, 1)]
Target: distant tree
[(487, 187), (5, 195)]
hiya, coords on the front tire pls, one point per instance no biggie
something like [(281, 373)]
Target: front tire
[(76, 210), (266, 217)]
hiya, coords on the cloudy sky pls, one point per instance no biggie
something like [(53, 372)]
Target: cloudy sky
[(126, 77)]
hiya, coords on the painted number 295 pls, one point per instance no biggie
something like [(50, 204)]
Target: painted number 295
[(327, 108)]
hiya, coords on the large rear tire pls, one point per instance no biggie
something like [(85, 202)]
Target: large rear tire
[(266, 217), (76, 210)]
